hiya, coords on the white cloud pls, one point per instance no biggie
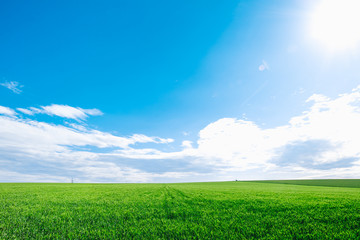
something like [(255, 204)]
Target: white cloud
[(26, 145), (332, 123), (25, 111), (186, 144), (13, 86), (64, 111), (233, 142), (12, 176), (322, 142), (70, 112), (7, 111), (39, 135), (92, 112), (140, 138), (264, 66)]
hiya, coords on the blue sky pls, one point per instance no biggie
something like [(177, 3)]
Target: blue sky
[(125, 91)]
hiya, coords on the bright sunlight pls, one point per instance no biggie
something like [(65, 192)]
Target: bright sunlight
[(335, 24)]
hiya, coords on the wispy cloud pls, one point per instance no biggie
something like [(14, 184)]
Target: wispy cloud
[(33, 134), (13, 86), (25, 111), (64, 111), (70, 112), (7, 111), (264, 66)]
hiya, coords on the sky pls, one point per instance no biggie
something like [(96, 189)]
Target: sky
[(164, 91)]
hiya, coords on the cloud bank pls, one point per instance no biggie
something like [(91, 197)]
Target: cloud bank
[(322, 142)]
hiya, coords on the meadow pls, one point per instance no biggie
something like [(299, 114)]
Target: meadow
[(217, 210)]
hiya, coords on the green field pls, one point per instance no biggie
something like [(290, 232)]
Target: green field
[(352, 183), (223, 210)]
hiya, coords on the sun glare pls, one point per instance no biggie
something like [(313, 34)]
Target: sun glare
[(336, 24)]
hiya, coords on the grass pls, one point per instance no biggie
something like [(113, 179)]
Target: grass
[(223, 210), (351, 183)]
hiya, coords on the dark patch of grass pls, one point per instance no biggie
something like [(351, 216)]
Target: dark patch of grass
[(350, 183)]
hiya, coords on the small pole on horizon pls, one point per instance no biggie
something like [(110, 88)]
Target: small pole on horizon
[(72, 180)]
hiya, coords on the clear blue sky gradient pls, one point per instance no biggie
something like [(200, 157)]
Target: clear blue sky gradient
[(158, 66)]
